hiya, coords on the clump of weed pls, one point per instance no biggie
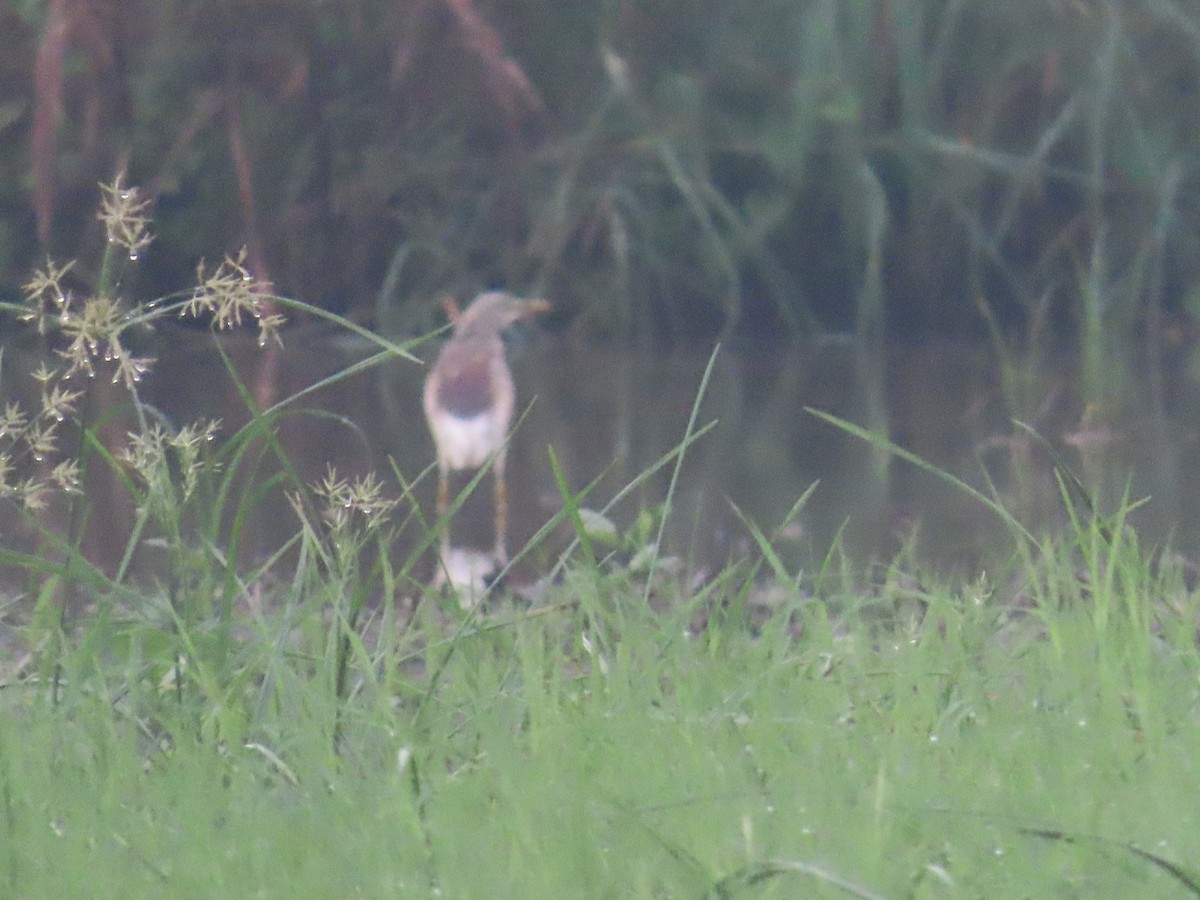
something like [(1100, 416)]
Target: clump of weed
[(47, 443), (177, 624)]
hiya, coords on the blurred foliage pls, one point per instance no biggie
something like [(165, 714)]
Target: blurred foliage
[(659, 167)]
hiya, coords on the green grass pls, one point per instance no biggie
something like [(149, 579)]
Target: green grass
[(323, 724), (593, 747)]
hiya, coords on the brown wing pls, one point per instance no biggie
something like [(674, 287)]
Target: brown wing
[(464, 380)]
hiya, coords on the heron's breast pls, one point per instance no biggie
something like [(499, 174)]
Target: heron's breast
[(466, 442)]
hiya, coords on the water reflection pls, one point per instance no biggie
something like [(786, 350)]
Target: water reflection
[(608, 415)]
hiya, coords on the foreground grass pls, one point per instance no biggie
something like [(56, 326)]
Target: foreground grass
[(592, 747), (220, 727)]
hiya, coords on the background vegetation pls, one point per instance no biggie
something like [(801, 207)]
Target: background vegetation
[(658, 167)]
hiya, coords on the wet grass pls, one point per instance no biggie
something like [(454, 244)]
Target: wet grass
[(897, 740), (322, 723)]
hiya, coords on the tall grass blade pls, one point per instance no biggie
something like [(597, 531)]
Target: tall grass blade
[(688, 432), (883, 443)]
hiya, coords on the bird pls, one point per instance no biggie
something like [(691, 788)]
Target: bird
[(469, 399)]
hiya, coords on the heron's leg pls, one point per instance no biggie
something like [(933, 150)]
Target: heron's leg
[(443, 504), (501, 509)]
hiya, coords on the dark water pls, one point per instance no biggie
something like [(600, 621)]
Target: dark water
[(610, 414)]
